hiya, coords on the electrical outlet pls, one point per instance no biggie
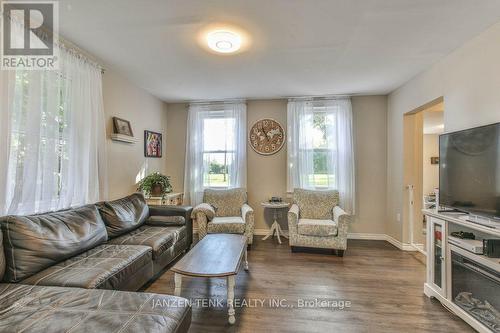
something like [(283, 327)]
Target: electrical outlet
[(398, 217)]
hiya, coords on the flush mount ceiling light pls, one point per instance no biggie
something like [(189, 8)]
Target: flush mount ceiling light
[(223, 41)]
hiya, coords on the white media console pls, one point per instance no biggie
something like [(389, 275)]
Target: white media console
[(442, 285)]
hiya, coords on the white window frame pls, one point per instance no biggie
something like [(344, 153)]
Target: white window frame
[(317, 110), (206, 174)]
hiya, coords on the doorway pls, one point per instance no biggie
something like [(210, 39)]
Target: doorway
[(422, 128)]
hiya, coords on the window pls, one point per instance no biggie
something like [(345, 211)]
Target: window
[(215, 148), (52, 137), (218, 149), (320, 147), (323, 150), (53, 124)]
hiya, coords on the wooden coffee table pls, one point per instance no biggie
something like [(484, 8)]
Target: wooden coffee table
[(216, 255)]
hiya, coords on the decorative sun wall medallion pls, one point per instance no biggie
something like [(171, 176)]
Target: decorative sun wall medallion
[(266, 136)]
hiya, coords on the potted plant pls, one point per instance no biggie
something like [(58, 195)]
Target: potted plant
[(155, 185)]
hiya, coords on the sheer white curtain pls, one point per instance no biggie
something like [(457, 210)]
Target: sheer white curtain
[(52, 137), (300, 144), (337, 147), (203, 139)]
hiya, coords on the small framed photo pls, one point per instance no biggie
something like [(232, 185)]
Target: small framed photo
[(122, 126), (152, 144), (434, 160)]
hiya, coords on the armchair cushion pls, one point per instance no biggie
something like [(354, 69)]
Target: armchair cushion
[(228, 202), (323, 228), (315, 204), (226, 224)]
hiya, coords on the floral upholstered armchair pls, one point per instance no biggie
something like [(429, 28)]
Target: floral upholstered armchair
[(225, 211), (316, 221)]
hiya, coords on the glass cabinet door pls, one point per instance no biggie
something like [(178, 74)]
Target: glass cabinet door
[(438, 254)]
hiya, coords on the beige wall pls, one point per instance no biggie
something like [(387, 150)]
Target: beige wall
[(431, 171), (175, 144), (267, 174), (125, 161), (370, 128), (468, 79), (413, 125)]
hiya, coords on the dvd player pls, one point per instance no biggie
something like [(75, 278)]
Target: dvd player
[(471, 245)]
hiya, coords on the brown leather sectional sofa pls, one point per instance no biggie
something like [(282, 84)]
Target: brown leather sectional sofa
[(74, 270)]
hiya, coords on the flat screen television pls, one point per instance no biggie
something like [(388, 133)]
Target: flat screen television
[(469, 170)]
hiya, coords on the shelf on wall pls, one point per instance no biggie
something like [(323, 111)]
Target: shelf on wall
[(123, 138)]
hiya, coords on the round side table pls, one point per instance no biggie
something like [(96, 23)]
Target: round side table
[(275, 227)]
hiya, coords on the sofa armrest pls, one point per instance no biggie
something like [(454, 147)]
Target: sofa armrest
[(204, 209), (170, 210), (247, 214), (246, 210), (342, 219), (293, 220), (202, 214), (184, 211)]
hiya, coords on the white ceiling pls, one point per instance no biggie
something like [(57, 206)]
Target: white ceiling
[(299, 47)]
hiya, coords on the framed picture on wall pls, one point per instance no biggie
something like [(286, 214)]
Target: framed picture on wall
[(122, 126), (152, 144)]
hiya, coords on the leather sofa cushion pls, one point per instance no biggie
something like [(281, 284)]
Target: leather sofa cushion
[(2, 257), (159, 239), (315, 204), (227, 202), (34, 309), (103, 267), (323, 228), (227, 225), (33, 243), (166, 221), (123, 215)]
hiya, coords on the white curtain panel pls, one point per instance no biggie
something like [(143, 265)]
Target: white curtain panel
[(300, 145), (232, 135), (52, 137), (339, 145)]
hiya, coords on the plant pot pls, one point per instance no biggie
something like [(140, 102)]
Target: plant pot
[(156, 191)]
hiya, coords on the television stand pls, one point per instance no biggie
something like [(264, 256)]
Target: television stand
[(485, 222), (451, 210), (441, 278)]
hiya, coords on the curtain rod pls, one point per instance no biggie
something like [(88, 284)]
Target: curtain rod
[(71, 47), (317, 98), (227, 101), (62, 42)]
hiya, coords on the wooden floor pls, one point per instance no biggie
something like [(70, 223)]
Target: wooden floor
[(383, 284)]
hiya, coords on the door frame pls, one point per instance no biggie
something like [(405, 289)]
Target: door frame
[(413, 132)]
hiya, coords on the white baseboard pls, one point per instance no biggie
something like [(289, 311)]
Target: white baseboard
[(256, 232), (420, 248), (262, 232), (406, 246), (358, 235), (384, 237), (400, 245), (364, 236)]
